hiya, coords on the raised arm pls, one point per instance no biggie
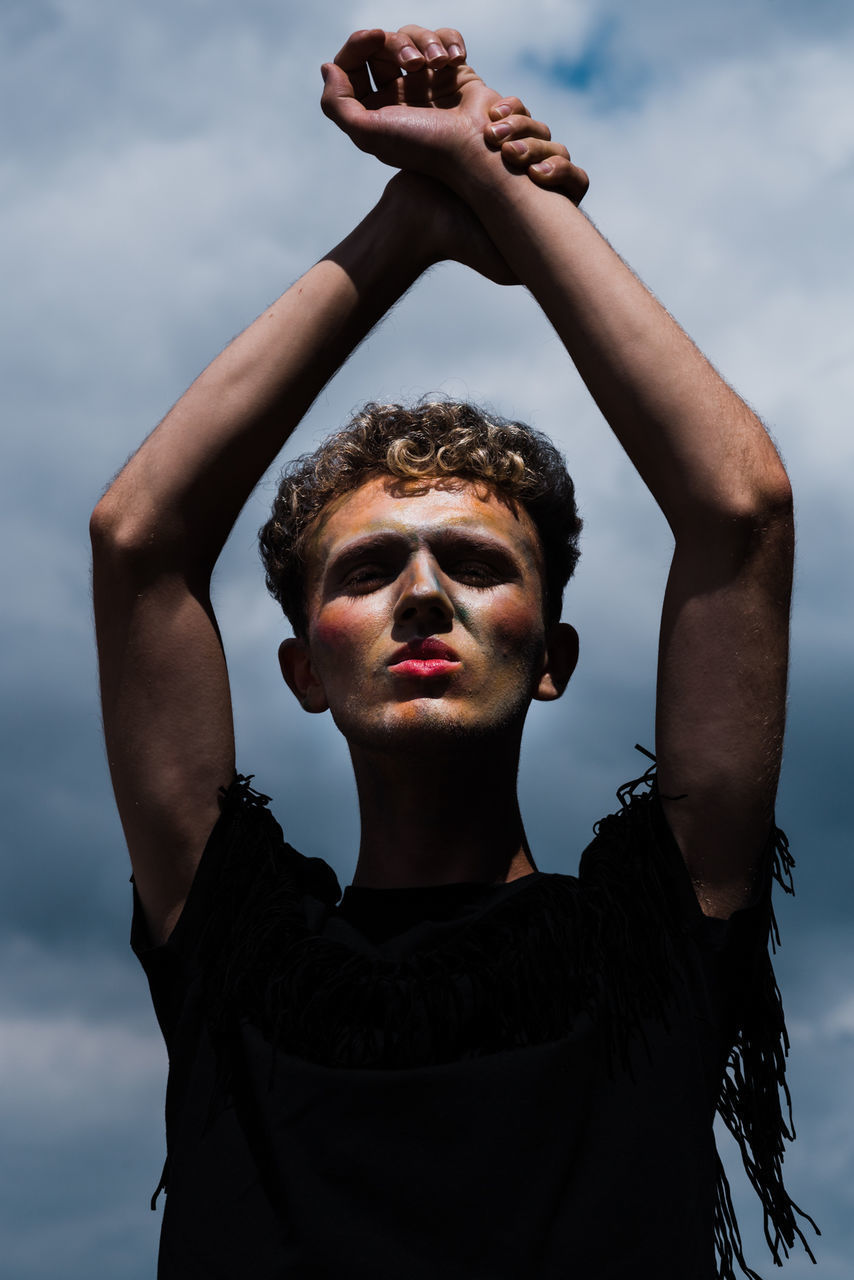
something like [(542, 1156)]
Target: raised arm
[(715, 473), (704, 455), (158, 530)]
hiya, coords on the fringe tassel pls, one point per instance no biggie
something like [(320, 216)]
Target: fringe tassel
[(754, 1090), (755, 1103)]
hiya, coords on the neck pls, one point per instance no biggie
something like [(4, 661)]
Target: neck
[(439, 816)]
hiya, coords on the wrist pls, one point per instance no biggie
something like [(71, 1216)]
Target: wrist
[(382, 252), (481, 176), (410, 212)]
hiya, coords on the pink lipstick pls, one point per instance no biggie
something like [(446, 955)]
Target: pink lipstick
[(425, 656)]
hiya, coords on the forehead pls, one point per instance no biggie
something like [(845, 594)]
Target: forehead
[(421, 512)]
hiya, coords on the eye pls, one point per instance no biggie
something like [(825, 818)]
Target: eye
[(366, 577), (476, 573)]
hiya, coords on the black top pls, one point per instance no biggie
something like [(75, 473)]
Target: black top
[(469, 1081)]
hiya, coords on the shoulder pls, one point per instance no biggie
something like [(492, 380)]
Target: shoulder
[(634, 863), (247, 876)]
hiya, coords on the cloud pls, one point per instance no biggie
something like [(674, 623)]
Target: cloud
[(82, 1065), (67, 1076)]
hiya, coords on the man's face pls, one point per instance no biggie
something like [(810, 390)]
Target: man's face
[(425, 607)]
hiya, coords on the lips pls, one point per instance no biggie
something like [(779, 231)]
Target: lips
[(424, 657), (422, 650)]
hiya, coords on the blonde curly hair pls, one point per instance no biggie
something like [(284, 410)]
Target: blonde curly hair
[(433, 439)]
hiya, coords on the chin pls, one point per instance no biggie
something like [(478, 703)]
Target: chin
[(420, 723)]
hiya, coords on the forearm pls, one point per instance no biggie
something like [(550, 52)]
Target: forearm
[(174, 503), (702, 452)]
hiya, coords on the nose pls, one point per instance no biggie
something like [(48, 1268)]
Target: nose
[(423, 595)]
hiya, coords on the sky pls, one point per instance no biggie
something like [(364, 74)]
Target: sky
[(167, 172)]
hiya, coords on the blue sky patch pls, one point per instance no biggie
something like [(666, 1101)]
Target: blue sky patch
[(597, 69)]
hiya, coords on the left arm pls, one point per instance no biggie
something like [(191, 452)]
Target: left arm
[(713, 470), (706, 458)]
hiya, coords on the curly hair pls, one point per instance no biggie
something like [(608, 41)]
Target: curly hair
[(434, 439)]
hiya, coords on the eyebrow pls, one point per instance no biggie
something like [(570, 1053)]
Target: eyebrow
[(367, 544), (441, 538)]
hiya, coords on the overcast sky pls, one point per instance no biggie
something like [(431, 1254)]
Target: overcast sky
[(166, 173)]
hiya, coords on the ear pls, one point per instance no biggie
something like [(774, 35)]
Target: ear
[(295, 661), (559, 661)]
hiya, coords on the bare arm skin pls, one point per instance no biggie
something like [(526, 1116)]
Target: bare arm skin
[(158, 530), (706, 458), (713, 470), (157, 533)]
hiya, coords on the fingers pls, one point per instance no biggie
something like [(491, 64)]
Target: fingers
[(454, 44), (521, 140), (338, 100), (521, 153), (407, 50), (433, 49), (558, 173), (384, 56), (385, 67), (414, 49), (526, 145), (515, 127), (353, 57), (508, 107)]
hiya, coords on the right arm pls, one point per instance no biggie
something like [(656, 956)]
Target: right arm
[(158, 530)]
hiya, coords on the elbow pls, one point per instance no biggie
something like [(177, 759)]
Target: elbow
[(108, 526), (102, 524), (773, 501), (754, 484), (118, 534), (134, 542), (761, 529), (763, 518), (763, 483), (771, 512), (735, 523), (772, 527), (751, 492)]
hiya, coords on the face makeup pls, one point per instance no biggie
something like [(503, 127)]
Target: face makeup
[(425, 611)]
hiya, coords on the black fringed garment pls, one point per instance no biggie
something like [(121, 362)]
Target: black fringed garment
[(469, 1081)]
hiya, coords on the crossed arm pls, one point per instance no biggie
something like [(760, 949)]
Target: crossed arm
[(468, 194)]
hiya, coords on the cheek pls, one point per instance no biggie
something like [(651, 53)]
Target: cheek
[(517, 629), (339, 636), (331, 639)]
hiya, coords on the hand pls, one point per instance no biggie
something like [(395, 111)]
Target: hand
[(425, 109), (428, 108), (445, 228)]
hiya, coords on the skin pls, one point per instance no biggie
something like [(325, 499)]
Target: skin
[(482, 184), (390, 564)]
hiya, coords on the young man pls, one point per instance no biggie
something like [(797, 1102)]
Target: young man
[(465, 1068)]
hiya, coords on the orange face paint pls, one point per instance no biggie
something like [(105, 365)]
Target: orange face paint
[(425, 610)]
